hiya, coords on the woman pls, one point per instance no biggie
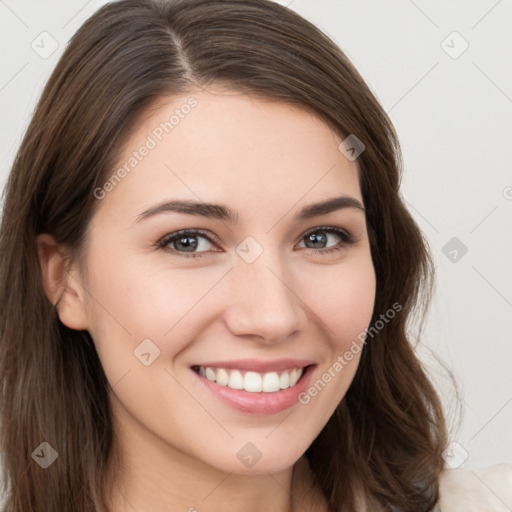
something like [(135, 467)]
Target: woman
[(207, 274)]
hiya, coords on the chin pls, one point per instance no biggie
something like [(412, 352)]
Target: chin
[(259, 457)]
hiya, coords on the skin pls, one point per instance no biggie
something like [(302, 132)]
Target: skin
[(266, 160)]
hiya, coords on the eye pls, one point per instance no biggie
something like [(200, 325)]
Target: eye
[(189, 243), (317, 238), (186, 241)]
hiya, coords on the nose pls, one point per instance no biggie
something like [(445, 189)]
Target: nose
[(263, 302)]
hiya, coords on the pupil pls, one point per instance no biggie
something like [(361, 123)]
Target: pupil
[(189, 247), (315, 238)]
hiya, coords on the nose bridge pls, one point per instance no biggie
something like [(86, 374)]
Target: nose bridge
[(264, 303)]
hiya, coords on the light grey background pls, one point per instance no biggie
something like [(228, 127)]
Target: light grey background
[(452, 111)]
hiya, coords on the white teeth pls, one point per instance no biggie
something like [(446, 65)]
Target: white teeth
[(236, 380), (222, 377), (295, 376), (271, 382), (210, 374), (252, 382)]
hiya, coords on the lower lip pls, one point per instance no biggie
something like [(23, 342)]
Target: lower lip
[(259, 403)]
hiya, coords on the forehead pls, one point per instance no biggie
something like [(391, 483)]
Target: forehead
[(231, 147)]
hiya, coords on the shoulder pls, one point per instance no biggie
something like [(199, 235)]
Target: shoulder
[(476, 490)]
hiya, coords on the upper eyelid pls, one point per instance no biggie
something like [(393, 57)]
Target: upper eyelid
[(193, 231), (326, 228)]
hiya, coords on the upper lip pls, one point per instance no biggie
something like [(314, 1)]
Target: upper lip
[(258, 365)]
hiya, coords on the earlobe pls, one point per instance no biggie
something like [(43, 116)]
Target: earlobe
[(60, 284)]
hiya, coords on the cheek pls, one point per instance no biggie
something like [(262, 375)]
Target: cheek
[(132, 303), (355, 308), (345, 310), (344, 301), (162, 302)]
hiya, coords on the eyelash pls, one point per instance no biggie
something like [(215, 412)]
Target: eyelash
[(347, 240)]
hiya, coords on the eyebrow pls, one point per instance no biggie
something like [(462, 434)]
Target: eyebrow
[(224, 213)]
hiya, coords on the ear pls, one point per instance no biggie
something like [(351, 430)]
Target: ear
[(62, 285)]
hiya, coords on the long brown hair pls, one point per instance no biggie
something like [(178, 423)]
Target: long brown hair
[(386, 438)]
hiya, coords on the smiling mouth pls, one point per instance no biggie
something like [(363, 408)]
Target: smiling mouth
[(250, 381)]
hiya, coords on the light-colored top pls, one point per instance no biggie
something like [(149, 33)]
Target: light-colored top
[(476, 490)]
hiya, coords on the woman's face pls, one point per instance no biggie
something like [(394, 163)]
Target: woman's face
[(265, 292)]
